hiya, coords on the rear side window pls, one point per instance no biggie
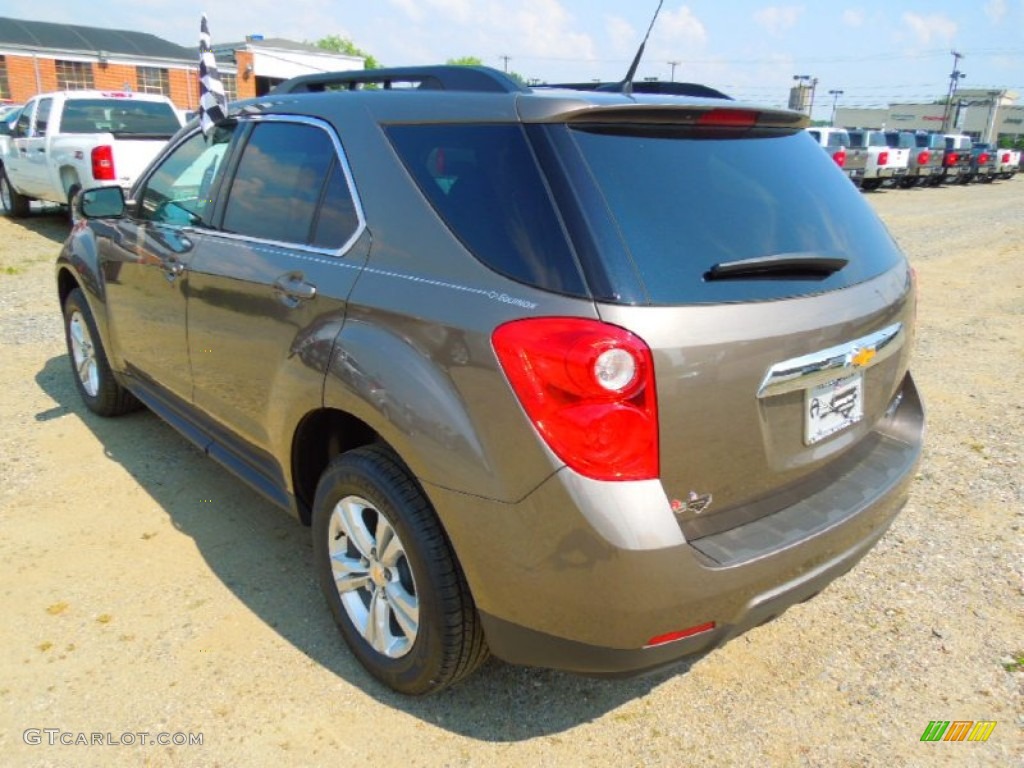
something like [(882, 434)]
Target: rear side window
[(683, 203), (484, 182), (279, 181)]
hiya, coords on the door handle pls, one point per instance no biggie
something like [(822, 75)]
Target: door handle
[(294, 286), (172, 268)]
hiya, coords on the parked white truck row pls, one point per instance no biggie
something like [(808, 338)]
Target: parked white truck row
[(906, 158), (70, 140)]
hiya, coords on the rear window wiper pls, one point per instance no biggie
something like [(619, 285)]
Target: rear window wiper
[(793, 266)]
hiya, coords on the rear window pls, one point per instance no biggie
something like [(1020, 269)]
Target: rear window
[(121, 117), (683, 203), (839, 139), (485, 183), (900, 139)]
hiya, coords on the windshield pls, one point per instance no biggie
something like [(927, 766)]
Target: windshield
[(121, 117), (683, 203)]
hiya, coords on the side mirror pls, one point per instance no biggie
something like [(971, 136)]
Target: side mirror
[(101, 203)]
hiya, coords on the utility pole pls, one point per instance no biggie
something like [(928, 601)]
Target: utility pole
[(835, 94), (954, 78), (505, 59), (673, 64)]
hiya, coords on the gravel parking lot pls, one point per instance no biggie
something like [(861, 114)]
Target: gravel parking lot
[(146, 591)]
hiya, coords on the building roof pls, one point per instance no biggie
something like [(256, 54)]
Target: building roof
[(73, 38)]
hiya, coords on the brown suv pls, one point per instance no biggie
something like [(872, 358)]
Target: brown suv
[(591, 380)]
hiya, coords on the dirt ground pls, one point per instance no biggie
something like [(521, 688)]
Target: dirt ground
[(146, 591)]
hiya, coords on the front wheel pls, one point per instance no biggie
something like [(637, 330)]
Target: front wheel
[(94, 380), (390, 577)]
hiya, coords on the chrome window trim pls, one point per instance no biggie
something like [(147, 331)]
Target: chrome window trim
[(807, 370), (346, 169)]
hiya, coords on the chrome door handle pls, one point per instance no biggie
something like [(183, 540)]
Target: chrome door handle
[(295, 287), (172, 268)]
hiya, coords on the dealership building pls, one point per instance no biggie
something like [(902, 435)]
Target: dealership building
[(984, 114), (38, 57)]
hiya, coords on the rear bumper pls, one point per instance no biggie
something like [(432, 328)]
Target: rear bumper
[(577, 577)]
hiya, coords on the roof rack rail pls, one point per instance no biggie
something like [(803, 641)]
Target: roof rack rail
[(431, 78), (669, 88)]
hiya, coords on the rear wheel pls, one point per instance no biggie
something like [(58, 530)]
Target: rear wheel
[(94, 380), (13, 202), (390, 577), (869, 185)]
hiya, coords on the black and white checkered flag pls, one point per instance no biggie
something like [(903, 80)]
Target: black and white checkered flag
[(213, 103)]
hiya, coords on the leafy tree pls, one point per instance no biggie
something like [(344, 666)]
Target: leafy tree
[(466, 61), (476, 61), (340, 44)]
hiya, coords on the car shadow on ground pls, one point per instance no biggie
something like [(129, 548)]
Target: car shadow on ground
[(49, 221), (243, 538)]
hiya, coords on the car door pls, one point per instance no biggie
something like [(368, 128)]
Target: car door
[(16, 160), (147, 256), (36, 169), (267, 295)]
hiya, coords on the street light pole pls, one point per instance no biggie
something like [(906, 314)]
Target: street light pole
[(835, 94), (954, 78)]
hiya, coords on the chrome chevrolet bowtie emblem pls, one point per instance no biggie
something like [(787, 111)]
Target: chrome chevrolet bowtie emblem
[(694, 504)]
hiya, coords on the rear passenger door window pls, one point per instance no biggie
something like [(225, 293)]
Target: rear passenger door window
[(285, 171)]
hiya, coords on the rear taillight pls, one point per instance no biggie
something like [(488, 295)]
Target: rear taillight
[(840, 158), (983, 158), (103, 163), (588, 388), (922, 157), (1005, 159), (883, 158), (949, 159)]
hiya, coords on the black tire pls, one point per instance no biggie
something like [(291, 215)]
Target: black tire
[(448, 642), (94, 380), (13, 201), (870, 185)]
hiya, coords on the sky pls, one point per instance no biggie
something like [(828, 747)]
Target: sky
[(874, 52)]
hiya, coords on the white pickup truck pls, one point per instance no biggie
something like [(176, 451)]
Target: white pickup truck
[(72, 140), (884, 162)]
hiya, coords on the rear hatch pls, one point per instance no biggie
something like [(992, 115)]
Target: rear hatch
[(776, 305)]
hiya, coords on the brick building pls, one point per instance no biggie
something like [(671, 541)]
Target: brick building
[(37, 57)]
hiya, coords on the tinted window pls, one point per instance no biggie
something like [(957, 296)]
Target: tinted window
[(484, 182), (24, 121), (839, 139), (43, 116), (122, 117), (684, 203), (279, 182), (180, 191), (899, 139), (337, 220)]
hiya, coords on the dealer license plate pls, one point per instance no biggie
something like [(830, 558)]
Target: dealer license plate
[(832, 407)]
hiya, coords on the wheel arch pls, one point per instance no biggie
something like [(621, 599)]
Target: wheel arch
[(319, 437)]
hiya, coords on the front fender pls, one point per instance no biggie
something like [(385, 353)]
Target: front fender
[(78, 266)]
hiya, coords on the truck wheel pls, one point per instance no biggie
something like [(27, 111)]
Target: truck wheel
[(869, 185), (94, 380), (390, 577), (13, 202)]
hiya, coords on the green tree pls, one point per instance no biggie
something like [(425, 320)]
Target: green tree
[(340, 44), (466, 61), (476, 61)]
